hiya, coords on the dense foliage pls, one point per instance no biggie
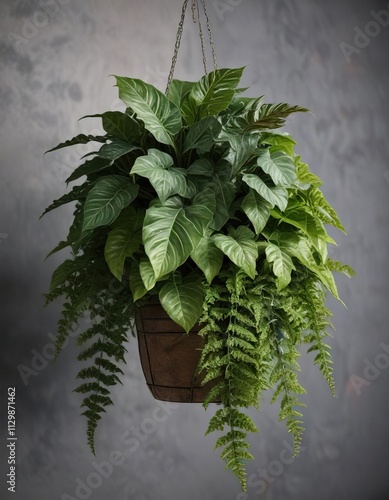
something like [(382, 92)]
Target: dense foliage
[(196, 199)]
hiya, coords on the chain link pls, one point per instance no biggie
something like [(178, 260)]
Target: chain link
[(177, 46), (195, 7), (201, 37), (211, 42)]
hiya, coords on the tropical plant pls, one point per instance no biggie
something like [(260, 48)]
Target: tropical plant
[(197, 200)]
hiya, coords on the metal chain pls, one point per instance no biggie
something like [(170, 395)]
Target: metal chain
[(195, 6), (177, 46), (210, 35)]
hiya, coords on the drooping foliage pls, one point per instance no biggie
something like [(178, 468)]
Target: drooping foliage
[(197, 200)]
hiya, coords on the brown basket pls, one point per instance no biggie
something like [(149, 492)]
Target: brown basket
[(169, 357)]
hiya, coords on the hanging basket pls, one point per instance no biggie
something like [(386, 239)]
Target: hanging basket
[(169, 357)]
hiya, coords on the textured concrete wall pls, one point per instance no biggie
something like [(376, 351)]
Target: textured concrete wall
[(55, 56)]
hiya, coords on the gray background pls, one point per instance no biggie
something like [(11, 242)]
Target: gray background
[(58, 73)]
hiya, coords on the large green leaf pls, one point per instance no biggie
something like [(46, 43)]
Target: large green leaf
[(166, 181), (115, 149), (123, 241), (147, 273), (208, 258), (120, 125), (224, 191), (178, 91), (201, 167), (201, 135), (279, 166), (107, 199), (241, 113), (213, 93), (171, 234), (182, 299), (282, 265), (160, 115), (93, 166), (257, 210), (273, 115), (275, 195), (240, 247), (281, 141), (80, 139), (242, 147)]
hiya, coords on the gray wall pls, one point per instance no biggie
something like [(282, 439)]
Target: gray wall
[(54, 74)]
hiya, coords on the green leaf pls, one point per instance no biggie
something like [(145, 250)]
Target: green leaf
[(137, 286), (178, 91), (273, 115), (80, 139), (279, 166), (323, 210), (115, 149), (299, 247), (77, 193), (213, 93), (208, 258), (281, 141), (201, 135), (282, 265), (122, 242), (312, 228), (276, 195), (62, 273), (242, 147), (107, 199), (224, 191), (120, 125), (90, 167), (240, 247), (257, 210), (201, 167), (171, 234), (147, 273), (161, 117), (166, 181), (182, 299), (335, 265), (304, 174)]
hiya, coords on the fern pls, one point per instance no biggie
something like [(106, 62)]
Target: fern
[(253, 333), (85, 286)]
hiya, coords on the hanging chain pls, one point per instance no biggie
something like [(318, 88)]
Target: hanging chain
[(210, 35), (177, 46), (195, 6)]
